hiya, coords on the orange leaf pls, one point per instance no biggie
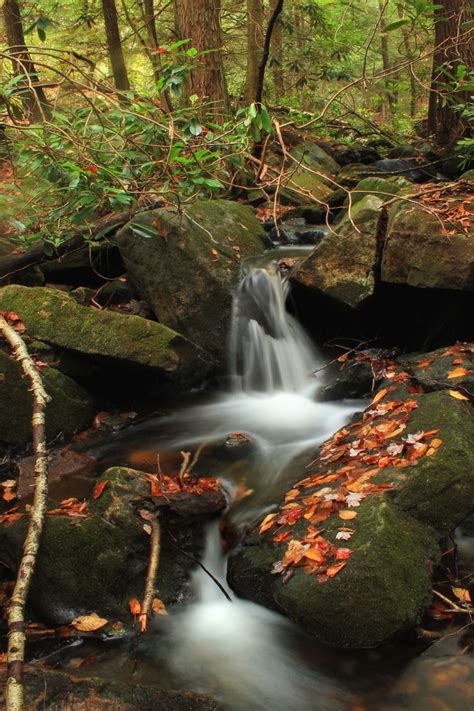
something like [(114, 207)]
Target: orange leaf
[(458, 395), (436, 443), (334, 569), (134, 606), (267, 522), (98, 489), (462, 594), (425, 363), (158, 607), (457, 373), (379, 396), (314, 554), (214, 252), (347, 515)]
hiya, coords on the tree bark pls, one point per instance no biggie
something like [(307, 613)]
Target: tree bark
[(278, 7), (255, 38), (390, 94), (200, 22), (16, 609), (453, 47), (114, 43), (277, 45), (37, 106)]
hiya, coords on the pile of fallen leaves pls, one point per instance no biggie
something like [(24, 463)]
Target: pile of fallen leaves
[(451, 205), (341, 478)]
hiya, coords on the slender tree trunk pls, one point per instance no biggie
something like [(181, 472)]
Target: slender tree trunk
[(277, 45), (255, 37), (408, 55), (276, 12), (453, 47), (391, 95), (117, 61), (200, 21), (37, 106)]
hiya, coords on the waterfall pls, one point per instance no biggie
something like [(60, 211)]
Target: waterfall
[(269, 349)]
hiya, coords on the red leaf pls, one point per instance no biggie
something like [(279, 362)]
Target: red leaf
[(98, 489)]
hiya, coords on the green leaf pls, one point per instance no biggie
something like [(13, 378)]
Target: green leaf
[(194, 127), (144, 231), (266, 120), (395, 25)]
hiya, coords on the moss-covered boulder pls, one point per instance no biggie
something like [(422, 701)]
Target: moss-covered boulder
[(315, 157), (310, 175), (347, 554), (56, 318), (418, 251), (57, 691), (445, 368), (98, 561), (186, 263), (71, 407), (380, 187), (342, 264)]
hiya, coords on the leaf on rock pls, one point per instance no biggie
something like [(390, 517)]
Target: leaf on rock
[(89, 623), (134, 606), (334, 569), (381, 394), (458, 395), (98, 489), (158, 607), (347, 515), (457, 373), (267, 522)]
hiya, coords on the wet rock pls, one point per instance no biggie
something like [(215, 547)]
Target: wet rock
[(406, 168), (354, 173), (96, 562), (57, 691), (316, 214), (187, 266), (385, 585), (354, 380), (419, 253), (70, 409), (435, 370), (63, 464), (56, 318), (357, 154), (341, 266)]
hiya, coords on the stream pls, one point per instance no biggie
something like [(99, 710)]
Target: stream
[(240, 653)]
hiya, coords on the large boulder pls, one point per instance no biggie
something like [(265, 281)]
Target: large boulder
[(71, 407), (185, 264), (342, 264), (56, 318), (347, 553), (97, 561), (418, 251), (310, 174), (380, 187)]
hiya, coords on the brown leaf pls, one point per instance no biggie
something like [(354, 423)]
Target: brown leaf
[(462, 594), (158, 607), (89, 623)]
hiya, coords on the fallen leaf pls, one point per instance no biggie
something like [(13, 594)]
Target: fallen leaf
[(214, 252), (134, 606), (334, 569), (425, 363), (89, 623), (343, 553), (462, 594), (347, 515), (267, 522), (314, 554), (379, 396), (457, 373), (458, 395), (158, 607), (98, 489)]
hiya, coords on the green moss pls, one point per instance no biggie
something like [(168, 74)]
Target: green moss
[(187, 272), (52, 316), (70, 409), (379, 187)]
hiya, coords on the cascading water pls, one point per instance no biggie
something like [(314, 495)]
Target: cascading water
[(269, 349)]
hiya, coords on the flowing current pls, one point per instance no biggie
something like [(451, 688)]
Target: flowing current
[(236, 650)]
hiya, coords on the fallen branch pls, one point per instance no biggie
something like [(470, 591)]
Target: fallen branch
[(155, 547), (16, 610)]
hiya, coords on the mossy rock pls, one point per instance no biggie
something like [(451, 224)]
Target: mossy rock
[(187, 272), (57, 691), (419, 253), (315, 157), (379, 187), (53, 316), (432, 370), (98, 563), (71, 407), (342, 264), (385, 586)]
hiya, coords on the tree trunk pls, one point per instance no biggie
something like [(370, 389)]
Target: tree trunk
[(200, 21), (255, 37), (37, 106), (408, 55), (453, 47), (277, 66), (391, 95), (117, 61)]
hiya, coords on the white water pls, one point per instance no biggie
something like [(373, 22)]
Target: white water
[(238, 651)]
